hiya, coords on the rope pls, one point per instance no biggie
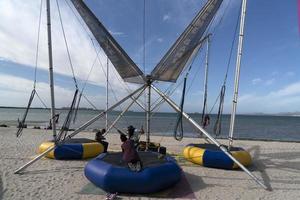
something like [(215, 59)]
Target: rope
[(82, 89), (218, 124), (66, 44), (228, 62), (37, 44), (65, 127), (232, 45), (77, 108), (125, 85), (21, 123), (41, 100), (89, 102), (179, 122)]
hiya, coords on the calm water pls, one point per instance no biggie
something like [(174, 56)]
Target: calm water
[(282, 128)]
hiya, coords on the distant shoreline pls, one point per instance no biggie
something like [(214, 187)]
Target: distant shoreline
[(283, 114)]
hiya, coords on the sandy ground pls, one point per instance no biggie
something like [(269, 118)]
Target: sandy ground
[(277, 164)]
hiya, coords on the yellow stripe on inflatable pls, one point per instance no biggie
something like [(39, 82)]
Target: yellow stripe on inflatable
[(194, 154), (242, 156), (92, 149), (44, 146)]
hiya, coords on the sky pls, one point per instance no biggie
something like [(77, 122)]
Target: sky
[(269, 81)]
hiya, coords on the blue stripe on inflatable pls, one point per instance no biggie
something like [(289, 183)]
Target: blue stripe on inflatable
[(120, 179), (68, 151), (217, 159)]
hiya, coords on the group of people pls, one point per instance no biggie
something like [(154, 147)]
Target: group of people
[(129, 145)]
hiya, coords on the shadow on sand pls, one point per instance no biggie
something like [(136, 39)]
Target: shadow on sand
[(2, 190), (51, 171), (181, 190), (263, 161)]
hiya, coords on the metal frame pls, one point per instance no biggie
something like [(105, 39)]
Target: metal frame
[(237, 73), (148, 85), (81, 128), (209, 137), (51, 69)]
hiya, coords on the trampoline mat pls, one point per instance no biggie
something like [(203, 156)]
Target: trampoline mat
[(148, 159)]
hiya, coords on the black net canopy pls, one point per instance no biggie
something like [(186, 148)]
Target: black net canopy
[(127, 69), (175, 60), (186, 46)]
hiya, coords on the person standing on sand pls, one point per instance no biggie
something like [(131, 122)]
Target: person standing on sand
[(130, 155)]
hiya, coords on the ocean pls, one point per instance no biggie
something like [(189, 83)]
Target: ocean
[(256, 127)]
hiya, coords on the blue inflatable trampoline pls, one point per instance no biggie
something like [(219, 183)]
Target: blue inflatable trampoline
[(107, 172)]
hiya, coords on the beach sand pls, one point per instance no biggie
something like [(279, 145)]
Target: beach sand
[(277, 164)]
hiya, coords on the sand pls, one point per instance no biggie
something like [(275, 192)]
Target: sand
[(277, 164)]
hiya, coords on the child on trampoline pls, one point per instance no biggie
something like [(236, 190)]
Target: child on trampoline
[(130, 155)]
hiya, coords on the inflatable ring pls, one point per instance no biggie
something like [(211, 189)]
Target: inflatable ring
[(210, 155), (74, 148), (107, 172)]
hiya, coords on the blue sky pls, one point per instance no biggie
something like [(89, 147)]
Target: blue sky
[(270, 64)]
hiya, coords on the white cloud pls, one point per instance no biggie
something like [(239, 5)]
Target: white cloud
[(18, 37), (270, 81), (166, 17), (18, 91), (275, 73), (160, 40), (290, 73), (15, 91), (256, 81), (116, 33), (292, 89), (285, 99)]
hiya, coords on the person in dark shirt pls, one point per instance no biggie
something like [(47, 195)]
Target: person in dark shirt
[(130, 155)]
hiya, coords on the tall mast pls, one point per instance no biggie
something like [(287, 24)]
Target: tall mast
[(51, 70), (237, 72), (106, 114)]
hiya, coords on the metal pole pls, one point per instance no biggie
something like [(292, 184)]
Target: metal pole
[(148, 112), (205, 79), (126, 109), (139, 104), (237, 72), (51, 70), (106, 115), (81, 128), (211, 139)]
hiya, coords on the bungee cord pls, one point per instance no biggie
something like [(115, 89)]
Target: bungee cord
[(21, 124)]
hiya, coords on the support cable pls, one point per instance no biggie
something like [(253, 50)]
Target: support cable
[(66, 44), (221, 96), (125, 85), (82, 89), (179, 121), (218, 124), (66, 125), (21, 124)]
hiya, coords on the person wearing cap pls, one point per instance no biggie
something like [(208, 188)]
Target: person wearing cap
[(134, 134)]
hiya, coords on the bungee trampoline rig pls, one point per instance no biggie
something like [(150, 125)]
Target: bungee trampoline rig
[(178, 58)]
